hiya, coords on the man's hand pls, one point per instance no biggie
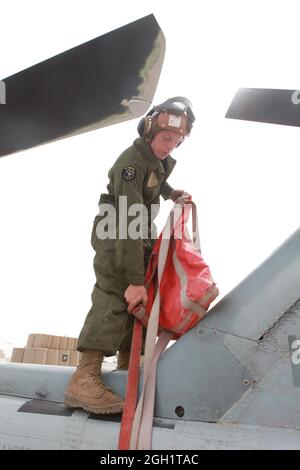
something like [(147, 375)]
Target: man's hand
[(176, 193), (135, 295)]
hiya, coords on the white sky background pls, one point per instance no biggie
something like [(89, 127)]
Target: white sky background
[(243, 176)]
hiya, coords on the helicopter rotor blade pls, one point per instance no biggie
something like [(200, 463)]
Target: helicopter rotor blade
[(109, 79), (273, 106)]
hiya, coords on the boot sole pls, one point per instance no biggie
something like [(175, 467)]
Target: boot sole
[(74, 402)]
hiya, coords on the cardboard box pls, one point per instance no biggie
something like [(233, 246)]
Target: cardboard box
[(17, 355), (71, 343), (63, 342), (48, 349), (42, 341), (35, 355), (52, 357), (30, 340), (55, 342), (29, 355), (63, 357), (40, 356)]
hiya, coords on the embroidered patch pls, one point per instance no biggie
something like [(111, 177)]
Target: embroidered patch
[(152, 181), (129, 173)]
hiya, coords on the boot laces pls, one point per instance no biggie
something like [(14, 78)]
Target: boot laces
[(99, 381)]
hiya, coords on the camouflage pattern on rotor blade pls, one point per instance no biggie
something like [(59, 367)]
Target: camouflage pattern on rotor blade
[(109, 79), (272, 106)]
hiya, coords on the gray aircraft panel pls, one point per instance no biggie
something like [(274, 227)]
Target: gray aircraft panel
[(274, 401), (48, 381), (34, 380), (200, 379), (251, 354), (263, 297), (235, 436), (259, 356), (22, 431), (13, 442)]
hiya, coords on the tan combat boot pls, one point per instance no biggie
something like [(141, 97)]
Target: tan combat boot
[(87, 390)]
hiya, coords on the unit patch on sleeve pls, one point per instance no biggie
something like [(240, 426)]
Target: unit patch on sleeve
[(128, 173)]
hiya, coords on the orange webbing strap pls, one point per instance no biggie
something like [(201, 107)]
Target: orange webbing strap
[(132, 386)]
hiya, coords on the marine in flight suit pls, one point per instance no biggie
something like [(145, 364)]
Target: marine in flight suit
[(139, 176)]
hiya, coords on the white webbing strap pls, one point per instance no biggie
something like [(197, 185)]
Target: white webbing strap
[(141, 435)]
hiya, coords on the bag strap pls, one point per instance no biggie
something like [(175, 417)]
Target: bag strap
[(150, 343), (142, 424), (180, 203)]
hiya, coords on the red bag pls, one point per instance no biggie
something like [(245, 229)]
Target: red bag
[(186, 284), (180, 289)]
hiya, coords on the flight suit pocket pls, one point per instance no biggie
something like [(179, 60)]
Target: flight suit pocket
[(101, 244)]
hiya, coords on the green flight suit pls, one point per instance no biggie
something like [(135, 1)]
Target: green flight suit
[(141, 177)]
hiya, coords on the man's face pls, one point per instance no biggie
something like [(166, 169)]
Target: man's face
[(164, 143)]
